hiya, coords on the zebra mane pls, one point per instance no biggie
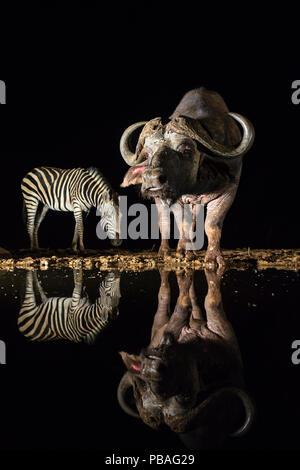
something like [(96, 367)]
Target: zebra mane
[(106, 193), (94, 171)]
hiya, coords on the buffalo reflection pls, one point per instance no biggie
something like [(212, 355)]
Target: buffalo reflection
[(190, 377), (72, 318)]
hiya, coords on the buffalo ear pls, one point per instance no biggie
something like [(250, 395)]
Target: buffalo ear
[(133, 176), (132, 362)]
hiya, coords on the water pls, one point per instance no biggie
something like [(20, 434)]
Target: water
[(59, 389)]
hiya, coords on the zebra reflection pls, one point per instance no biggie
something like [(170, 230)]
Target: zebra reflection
[(71, 318)]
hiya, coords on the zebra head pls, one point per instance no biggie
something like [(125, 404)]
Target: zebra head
[(109, 293), (110, 217)]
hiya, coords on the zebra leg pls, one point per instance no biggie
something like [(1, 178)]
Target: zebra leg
[(29, 302), (77, 291), (38, 222), (75, 238), (29, 290), (31, 210), (78, 233), (39, 288)]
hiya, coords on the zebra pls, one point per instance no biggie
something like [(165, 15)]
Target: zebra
[(74, 190), (70, 318)]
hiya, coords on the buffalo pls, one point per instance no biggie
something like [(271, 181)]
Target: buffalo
[(190, 378), (193, 158)]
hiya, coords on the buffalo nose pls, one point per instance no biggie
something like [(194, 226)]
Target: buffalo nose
[(153, 179), (162, 179)]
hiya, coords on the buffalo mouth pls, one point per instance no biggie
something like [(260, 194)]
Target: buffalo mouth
[(164, 191), (153, 366), (157, 363), (155, 191), (154, 182)]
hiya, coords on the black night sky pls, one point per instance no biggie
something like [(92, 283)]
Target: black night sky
[(72, 89), (76, 78)]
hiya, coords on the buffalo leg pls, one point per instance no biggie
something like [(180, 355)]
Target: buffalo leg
[(162, 315), (196, 317), (217, 321), (183, 307), (185, 223), (164, 226), (216, 212)]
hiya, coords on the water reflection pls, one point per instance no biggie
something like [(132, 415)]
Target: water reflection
[(72, 318), (181, 378), (190, 377)]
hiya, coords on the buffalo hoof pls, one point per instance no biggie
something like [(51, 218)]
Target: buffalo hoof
[(164, 251), (190, 255), (214, 261), (183, 251), (187, 254), (180, 252)]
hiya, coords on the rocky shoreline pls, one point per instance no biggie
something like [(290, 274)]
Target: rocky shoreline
[(122, 260)]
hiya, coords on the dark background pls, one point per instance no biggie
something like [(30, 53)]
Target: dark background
[(76, 79), (62, 395)]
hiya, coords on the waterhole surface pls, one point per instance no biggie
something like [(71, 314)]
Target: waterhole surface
[(63, 367)]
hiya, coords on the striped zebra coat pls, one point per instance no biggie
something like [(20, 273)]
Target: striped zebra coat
[(75, 190), (71, 318)]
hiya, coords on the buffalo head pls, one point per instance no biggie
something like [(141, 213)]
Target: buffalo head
[(168, 391), (165, 380), (168, 157)]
